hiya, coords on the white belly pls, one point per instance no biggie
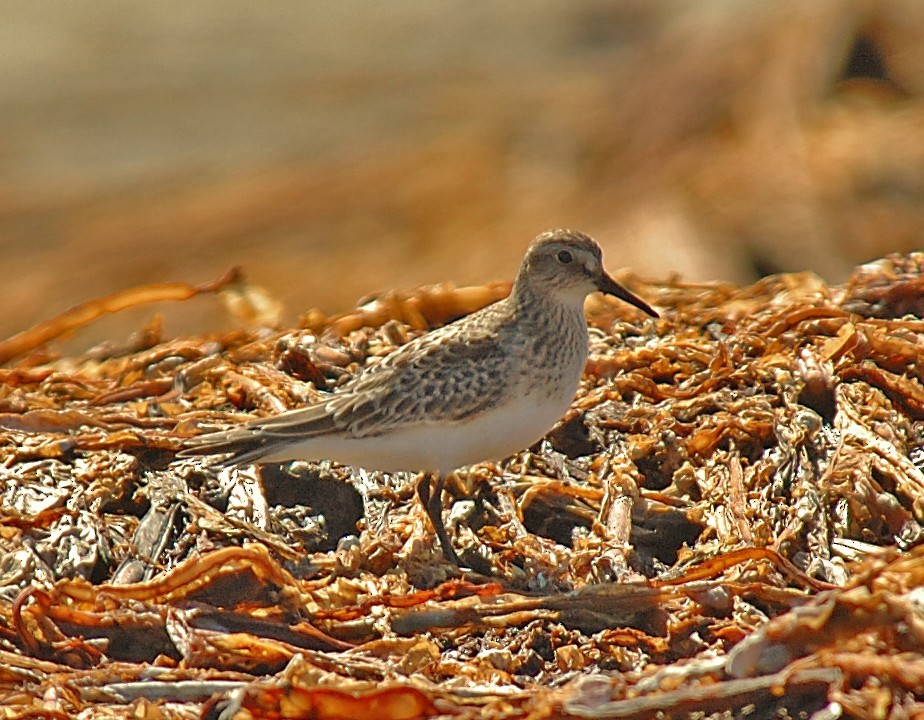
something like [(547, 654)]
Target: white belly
[(496, 434)]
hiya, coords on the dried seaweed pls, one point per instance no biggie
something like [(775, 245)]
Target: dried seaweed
[(729, 520)]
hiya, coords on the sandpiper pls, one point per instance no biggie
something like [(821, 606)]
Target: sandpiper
[(479, 389)]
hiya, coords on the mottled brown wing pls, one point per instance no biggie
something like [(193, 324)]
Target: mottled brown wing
[(441, 377), (445, 375)]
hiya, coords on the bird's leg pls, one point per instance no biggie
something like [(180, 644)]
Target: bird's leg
[(431, 499)]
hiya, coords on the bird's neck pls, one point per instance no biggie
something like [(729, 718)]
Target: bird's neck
[(526, 298), (548, 315), (553, 331)]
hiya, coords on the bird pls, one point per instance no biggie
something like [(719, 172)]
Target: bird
[(479, 389)]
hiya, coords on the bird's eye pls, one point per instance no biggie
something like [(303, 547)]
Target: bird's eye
[(565, 257)]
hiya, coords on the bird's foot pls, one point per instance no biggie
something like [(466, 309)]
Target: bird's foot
[(430, 496)]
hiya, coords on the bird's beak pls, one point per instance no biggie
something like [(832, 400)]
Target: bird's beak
[(606, 284)]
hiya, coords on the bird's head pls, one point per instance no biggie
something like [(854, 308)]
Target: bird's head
[(569, 265)]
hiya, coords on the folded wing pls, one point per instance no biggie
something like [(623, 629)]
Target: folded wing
[(444, 376)]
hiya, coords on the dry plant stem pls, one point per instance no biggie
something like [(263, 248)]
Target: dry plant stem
[(426, 307), (737, 500), (85, 313), (188, 576), (714, 697), (716, 565)]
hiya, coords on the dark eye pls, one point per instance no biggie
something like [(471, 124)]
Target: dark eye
[(564, 257)]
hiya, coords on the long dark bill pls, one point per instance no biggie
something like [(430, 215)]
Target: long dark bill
[(606, 284)]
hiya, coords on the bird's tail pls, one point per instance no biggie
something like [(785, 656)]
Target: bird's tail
[(240, 447)]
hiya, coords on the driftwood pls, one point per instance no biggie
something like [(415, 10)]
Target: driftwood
[(728, 520)]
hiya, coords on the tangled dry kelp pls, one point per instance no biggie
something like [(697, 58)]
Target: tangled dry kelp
[(729, 519)]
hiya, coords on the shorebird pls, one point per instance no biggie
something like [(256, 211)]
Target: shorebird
[(481, 388)]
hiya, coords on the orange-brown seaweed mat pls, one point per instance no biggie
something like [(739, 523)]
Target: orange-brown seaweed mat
[(729, 520)]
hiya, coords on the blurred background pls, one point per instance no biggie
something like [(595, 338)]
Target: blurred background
[(334, 150)]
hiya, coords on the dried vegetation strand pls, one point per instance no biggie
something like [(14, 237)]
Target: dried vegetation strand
[(728, 520)]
